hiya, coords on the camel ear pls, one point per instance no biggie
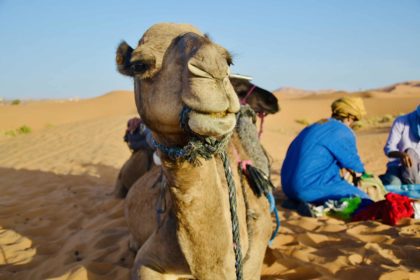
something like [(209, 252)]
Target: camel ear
[(122, 59)]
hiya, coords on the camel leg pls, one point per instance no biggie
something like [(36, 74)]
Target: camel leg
[(262, 228), (142, 272), (160, 257), (139, 271)]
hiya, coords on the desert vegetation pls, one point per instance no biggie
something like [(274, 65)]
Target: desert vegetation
[(24, 129)]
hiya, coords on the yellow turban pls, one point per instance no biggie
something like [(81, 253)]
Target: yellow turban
[(347, 106)]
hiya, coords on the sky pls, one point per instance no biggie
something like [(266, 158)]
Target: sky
[(66, 49)]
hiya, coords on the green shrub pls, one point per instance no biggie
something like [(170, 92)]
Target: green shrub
[(24, 129), (357, 125), (387, 119), (15, 102), (304, 122), (11, 133)]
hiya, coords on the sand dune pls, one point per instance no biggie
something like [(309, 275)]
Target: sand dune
[(48, 113), (59, 221)]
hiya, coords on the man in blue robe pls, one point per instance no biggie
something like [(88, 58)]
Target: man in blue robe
[(311, 169)]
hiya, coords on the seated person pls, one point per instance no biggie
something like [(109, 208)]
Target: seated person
[(403, 149), (311, 169)]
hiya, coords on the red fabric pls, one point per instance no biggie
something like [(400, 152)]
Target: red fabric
[(390, 211), (398, 206)]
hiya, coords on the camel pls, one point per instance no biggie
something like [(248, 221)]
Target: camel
[(262, 101), (183, 94)]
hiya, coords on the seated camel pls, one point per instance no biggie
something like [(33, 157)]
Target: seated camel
[(215, 226), (262, 101)]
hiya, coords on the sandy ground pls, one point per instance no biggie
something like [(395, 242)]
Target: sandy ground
[(58, 219)]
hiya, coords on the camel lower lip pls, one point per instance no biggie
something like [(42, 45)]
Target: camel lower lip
[(214, 124)]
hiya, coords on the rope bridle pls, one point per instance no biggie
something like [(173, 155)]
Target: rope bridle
[(207, 147), (245, 98), (261, 115)]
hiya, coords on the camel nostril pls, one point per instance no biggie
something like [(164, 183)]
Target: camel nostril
[(138, 67)]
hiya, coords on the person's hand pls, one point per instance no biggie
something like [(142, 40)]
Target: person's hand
[(357, 174), (405, 159)]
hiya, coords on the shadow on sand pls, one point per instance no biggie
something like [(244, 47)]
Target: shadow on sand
[(55, 225)]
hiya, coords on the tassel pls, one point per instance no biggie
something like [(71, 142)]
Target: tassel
[(258, 180)]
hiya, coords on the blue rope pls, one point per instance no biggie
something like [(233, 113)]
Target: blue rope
[(273, 208), (262, 185)]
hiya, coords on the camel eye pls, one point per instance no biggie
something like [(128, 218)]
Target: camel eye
[(138, 67)]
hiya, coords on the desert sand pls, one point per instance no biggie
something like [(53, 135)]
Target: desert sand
[(58, 219)]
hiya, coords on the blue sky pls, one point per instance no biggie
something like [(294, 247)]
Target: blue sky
[(60, 49)]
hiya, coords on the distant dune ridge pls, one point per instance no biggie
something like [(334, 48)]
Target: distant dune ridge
[(401, 89), (58, 219)]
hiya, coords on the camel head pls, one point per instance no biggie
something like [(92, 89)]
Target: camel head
[(260, 100), (174, 67)]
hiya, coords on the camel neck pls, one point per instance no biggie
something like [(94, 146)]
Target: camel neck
[(201, 205)]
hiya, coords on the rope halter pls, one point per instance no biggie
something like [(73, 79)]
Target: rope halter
[(198, 146)]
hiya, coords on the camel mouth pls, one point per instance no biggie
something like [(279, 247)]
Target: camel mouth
[(215, 124), (218, 114), (270, 109)]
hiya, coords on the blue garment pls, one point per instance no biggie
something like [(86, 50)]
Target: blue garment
[(416, 126), (412, 190), (311, 169)]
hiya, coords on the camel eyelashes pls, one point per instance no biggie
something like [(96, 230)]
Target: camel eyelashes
[(229, 61), (229, 58)]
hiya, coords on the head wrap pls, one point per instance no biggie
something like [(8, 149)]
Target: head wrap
[(349, 106)]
